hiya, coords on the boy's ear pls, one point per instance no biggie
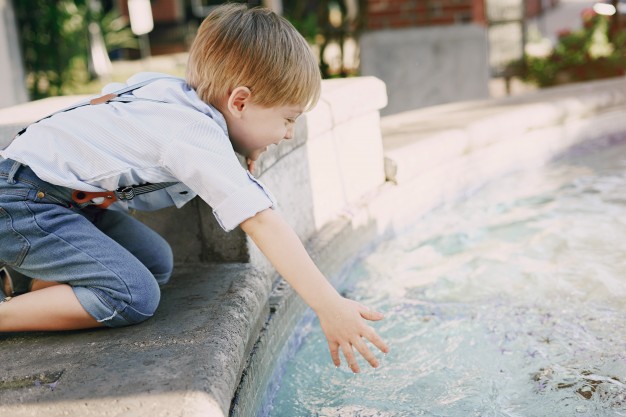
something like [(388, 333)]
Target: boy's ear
[(238, 100)]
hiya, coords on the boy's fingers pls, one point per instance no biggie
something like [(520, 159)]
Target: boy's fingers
[(350, 358), (371, 314), (366, 353), (373, 337), (334, 354)]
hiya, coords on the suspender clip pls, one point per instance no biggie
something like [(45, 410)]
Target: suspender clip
[(85, 198), (126, 193), (106, 198), (103, 99)]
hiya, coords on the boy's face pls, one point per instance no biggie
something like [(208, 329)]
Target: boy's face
[(252, 128)]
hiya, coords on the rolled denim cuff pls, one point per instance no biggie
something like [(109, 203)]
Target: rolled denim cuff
[(102, 312)]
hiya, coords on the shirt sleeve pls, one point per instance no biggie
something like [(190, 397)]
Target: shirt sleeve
[(203, 158)]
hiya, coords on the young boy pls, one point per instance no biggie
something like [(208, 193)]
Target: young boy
[(250, 75)]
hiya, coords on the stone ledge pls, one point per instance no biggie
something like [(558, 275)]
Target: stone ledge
[(185, 361), (417, 141)]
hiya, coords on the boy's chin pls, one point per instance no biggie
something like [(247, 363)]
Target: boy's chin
[(253, 157)]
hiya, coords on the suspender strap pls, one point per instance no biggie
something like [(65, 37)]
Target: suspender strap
[(115, 96), (84, 198), (130, 192)]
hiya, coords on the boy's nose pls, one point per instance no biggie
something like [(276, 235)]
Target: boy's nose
[(289, 133)]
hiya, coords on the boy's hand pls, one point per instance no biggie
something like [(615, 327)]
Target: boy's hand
[(344, 327), (250, 164), (342, 320)]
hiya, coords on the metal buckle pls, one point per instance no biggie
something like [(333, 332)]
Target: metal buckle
[(126, 193)]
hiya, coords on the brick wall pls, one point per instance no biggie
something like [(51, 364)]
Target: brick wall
[(163, 11), (384, 14), (391, 14)]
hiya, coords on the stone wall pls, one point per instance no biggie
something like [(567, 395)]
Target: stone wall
[(429, 65)]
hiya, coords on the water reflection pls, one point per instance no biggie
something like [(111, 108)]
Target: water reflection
[(508, 304)]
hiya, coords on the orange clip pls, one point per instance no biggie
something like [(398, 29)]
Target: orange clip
[(82, 197), (102, 99)]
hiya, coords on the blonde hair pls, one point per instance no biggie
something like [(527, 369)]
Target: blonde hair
[(236, 46)]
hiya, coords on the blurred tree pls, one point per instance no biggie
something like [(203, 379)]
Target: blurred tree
[(54, 41), (326, 22), (591, 53)]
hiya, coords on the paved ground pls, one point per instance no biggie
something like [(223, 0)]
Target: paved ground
[(182, 362)]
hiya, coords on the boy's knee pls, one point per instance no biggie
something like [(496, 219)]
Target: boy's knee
[(162, 264), (163, 279), (164, 271), (143, 303), (134, 305)]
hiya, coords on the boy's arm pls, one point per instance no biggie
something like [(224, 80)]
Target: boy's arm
[(341, 319)]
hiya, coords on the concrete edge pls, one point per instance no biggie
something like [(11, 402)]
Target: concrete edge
[(412, 139), (183, 362)]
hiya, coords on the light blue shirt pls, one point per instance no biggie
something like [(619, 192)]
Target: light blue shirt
[(107, 146)]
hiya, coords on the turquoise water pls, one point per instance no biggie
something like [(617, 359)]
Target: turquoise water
[(509, 303)]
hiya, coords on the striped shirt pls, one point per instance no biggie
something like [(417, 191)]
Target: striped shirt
[(107, 146)]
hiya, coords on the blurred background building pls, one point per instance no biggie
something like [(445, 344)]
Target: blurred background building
[(428, 52)]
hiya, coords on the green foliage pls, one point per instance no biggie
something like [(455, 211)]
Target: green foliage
[(305, 16), (55, 43), (306, 25), (587, 54), (117, 33), (326, 23)]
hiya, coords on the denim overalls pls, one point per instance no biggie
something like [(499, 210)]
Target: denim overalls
[(113, 262)]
